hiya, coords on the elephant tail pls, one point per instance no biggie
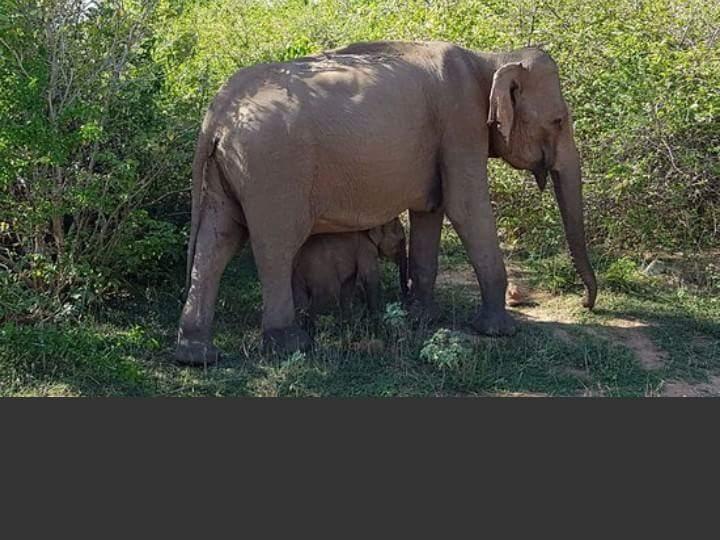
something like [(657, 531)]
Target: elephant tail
[(203, 151)]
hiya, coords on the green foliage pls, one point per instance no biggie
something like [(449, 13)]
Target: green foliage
[(623, 274), (453, 252), (712, 277), (83, 148), (554, 273), (73, 358), (147, 247), (446, 349), (395, 316), (124, 349), (101, 103)]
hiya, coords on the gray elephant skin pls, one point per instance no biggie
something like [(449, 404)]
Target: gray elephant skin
[(349, 139)]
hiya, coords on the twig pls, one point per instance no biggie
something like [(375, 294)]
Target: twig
[(551, 9), (532, 25), (18, 57)]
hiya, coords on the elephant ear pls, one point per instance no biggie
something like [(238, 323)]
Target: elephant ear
[(505, 81)]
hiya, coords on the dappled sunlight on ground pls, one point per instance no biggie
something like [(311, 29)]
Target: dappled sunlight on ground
[(569, 324), (630, 345)]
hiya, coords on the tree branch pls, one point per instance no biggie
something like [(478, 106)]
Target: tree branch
[(18, 57)]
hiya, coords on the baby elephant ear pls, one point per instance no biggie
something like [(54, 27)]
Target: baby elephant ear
[(502, 106)]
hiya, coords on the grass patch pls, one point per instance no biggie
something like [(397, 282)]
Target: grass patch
[(125, 348)]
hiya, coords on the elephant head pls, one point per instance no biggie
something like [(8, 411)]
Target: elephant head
[(390, 241), (531, 129)]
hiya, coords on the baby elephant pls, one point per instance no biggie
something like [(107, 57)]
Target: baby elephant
[(329, 267)]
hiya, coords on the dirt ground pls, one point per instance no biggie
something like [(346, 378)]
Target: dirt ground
[(541, 307)]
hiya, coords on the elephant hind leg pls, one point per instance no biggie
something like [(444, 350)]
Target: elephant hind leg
[(280, 330), (219, 237), (276, 238)]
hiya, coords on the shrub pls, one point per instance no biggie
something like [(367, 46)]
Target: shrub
[(624, 275), (146, 248), (395, 316), (101, 104), (446, 349), (81, 149)]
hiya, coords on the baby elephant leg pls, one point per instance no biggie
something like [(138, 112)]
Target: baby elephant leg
[(347, 292), (368, 273), (372, 289), (302, 304)]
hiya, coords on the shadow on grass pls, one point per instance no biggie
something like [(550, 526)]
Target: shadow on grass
[(126, 350), (72, 360), (686, 343)]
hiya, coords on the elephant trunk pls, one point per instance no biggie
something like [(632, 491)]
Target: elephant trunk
[(568, 192)]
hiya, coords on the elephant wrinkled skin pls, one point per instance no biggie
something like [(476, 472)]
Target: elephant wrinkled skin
[(347, 140)]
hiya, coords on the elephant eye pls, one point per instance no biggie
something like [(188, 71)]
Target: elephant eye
[(558, 122)]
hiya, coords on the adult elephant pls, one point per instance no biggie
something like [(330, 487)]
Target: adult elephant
[(349, 139)]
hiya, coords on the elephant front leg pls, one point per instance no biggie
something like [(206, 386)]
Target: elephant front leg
[(469, 209), (219, 238), (425, 229)]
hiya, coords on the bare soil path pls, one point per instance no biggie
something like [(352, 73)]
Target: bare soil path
[(558, 313)]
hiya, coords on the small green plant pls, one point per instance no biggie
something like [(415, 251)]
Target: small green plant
[(554, 273), (295, 359), (712, 276), (446, 349), (395, 316), (623, 275)]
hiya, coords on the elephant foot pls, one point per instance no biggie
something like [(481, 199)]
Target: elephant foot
[(495, 323), (286, 340), (196, 353), (589, 299)]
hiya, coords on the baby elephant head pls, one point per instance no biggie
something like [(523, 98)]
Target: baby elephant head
[(390, 241)]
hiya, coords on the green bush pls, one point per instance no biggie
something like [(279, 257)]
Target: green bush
[(446, 349), (101, 104), (624, 275), (147, 247), (395, 316), (85, 148)]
